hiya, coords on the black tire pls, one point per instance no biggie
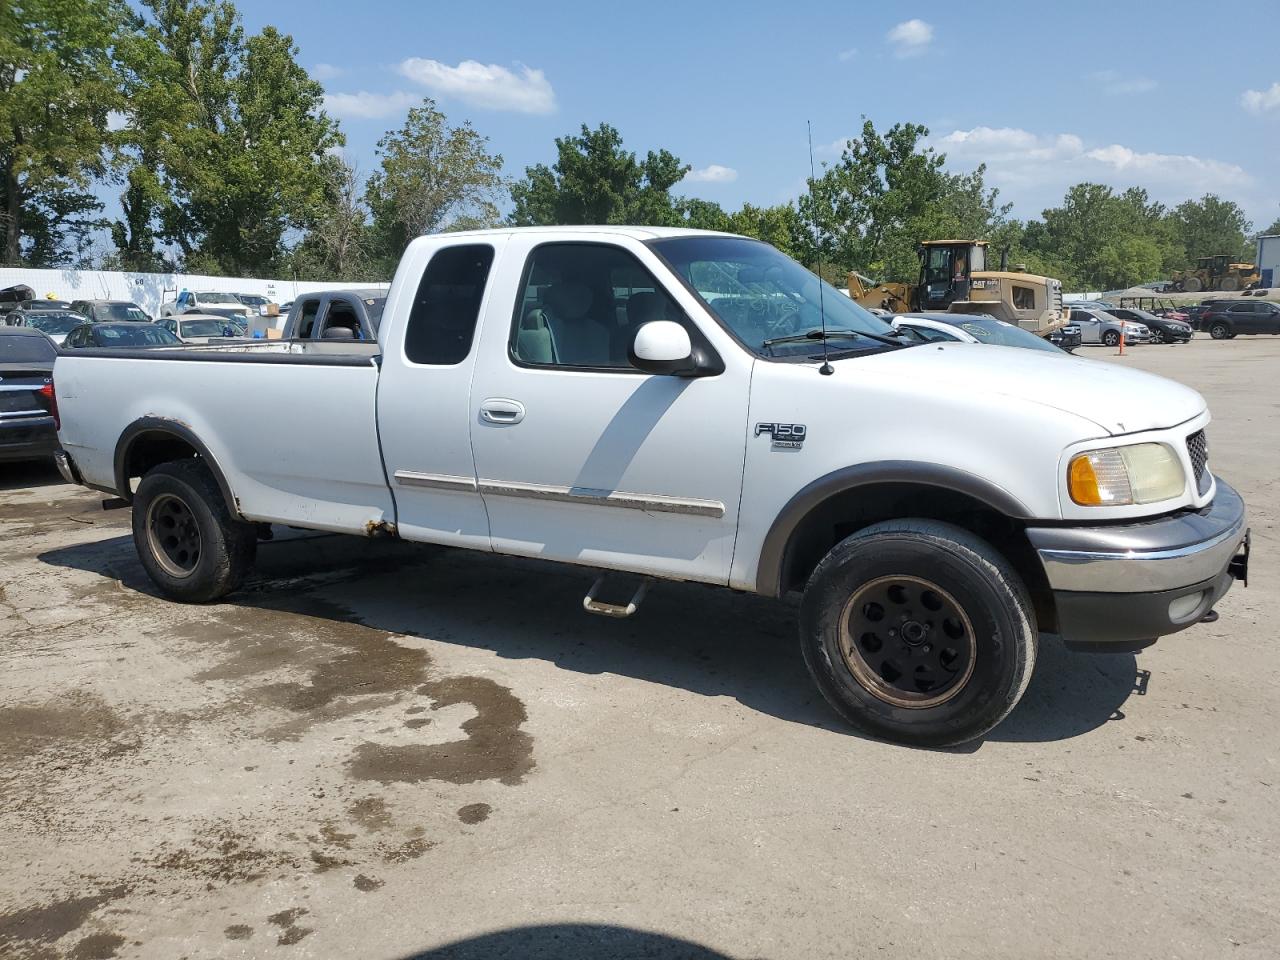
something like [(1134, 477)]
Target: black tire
[(1220, 331), (184, 495), (928, 556), (1192, 285), (1111, 338)]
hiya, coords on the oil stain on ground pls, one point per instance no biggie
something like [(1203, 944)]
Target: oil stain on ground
[(24, 932), (79, 722)]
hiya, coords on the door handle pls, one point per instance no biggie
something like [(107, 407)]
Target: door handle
[(500, 411)]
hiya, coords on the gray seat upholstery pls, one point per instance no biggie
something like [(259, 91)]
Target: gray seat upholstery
[(533, 338), (577, 338)]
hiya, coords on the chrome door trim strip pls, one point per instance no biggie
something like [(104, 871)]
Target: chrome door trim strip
[(650, 503), (435, 481)]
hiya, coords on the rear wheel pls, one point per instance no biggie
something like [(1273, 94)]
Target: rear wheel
[(1229, 284), (1111, 338), (187, 540), (1192, 285), (918, 631), (1219, 331)]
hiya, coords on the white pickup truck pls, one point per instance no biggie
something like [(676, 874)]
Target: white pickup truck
[(656, 403)]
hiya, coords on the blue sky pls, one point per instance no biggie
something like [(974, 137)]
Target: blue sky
[(1047, 94)]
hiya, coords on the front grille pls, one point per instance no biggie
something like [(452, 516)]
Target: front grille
[(1198, 449)]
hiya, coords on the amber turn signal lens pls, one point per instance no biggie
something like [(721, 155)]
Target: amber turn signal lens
[(1082, 482)]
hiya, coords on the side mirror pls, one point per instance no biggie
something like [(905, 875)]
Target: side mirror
[(664, 347)]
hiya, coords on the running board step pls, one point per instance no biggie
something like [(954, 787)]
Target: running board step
[(606, 609)]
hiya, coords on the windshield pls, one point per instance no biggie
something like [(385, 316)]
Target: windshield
[(251, 299), (760, 294), (46, 305), (206, 328), (990, 330), (118, 335), (123, 311), (1143, 315), (217, 298), (55, 323)]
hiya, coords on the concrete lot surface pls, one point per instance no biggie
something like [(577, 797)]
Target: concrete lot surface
[(377, 750)]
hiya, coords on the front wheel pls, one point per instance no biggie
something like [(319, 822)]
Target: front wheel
[(917, 631), (1220, 331), (188, 542), (1111, 338)]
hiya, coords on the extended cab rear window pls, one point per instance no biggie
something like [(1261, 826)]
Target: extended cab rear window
[(442, 321), (26, 349)]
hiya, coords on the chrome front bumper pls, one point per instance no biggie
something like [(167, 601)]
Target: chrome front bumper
[(1133, 582)]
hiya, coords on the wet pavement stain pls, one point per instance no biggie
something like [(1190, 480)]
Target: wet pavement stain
[(238, 931), (222, 856), (287, 921), (370, 813), (97, 946), (366, 884), (495, 749), (36, 926), (474, 813), (411, 850), (76, 722)]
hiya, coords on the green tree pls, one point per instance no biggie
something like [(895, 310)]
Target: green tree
[(229, 132), (869, 210), (777, 225), (338, 244), (596, 180), (57, 85), (432, 177), (1211, 226)]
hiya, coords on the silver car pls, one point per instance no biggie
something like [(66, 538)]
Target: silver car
[(1098, 326)]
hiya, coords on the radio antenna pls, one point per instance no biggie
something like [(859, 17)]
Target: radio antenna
[(826, 369)]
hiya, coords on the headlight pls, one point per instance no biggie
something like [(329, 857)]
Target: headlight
[(1115, 476)]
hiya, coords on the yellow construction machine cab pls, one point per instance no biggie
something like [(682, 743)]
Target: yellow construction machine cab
[(946, 272)]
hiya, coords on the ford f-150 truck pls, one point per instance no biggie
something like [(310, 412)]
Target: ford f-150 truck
[(673, 404)]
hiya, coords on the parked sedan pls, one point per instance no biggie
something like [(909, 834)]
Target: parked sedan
[(201, 328), (970, 328), (1098, 326), (119, 335), (27, 427), (1164, 329), (55, 324)]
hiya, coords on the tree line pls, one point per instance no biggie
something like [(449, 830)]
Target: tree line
[(226, 162)]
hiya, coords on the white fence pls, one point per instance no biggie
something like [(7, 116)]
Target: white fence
[(148, 290)]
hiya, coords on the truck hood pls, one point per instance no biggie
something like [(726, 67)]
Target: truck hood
[(1116, 398)]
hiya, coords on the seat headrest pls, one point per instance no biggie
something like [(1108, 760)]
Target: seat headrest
[(570, 300), (645, 307)]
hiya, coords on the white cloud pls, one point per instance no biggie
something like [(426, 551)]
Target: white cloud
[(911, 37), (489, 86), (1034, 170), (326, 71), (369, 106), (844, 56), (1261, 101), (713, 173), (1115, 83)]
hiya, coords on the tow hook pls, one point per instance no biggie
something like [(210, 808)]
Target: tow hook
[(1239, 565)]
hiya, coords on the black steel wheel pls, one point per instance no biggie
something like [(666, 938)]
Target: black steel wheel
[(918, 631), (187, 540), (907, 641), (1220, 331)]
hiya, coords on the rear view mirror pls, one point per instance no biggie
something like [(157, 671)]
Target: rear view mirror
[(663, 347)]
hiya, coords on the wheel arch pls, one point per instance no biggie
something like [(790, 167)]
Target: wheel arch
[(150, 441), (832, 507)]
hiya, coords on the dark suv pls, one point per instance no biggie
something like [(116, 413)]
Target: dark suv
[(1228, 318)]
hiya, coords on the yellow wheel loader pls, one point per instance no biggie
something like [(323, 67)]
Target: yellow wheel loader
[(954, 279), (1216, 273)]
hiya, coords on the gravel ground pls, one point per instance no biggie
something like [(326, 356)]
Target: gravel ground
[(379, 750)]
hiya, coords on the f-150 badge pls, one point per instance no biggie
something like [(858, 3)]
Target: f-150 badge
[(784, 435)]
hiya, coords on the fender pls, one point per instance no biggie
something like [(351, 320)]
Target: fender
[(180, 431), (773, 553)]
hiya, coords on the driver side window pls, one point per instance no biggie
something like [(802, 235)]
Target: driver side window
[(581, 305)]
